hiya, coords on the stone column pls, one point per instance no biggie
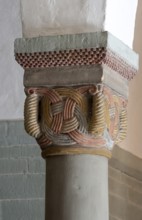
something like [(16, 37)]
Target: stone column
[(77, 91)]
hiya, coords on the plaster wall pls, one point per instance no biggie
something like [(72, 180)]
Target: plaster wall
[(11, 85), (62, 17), (78, 16)]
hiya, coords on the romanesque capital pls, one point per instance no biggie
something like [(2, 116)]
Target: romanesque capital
[(77, 91)]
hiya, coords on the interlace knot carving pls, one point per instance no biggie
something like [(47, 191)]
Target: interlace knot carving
[(91, 116)]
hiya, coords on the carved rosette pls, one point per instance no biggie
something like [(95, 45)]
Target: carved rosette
[(77, 91)]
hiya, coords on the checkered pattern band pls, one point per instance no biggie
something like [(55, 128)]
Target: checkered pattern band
[(77, 57)]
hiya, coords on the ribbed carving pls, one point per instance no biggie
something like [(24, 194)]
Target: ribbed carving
[(31, 111), (122, 126), (97, 123)]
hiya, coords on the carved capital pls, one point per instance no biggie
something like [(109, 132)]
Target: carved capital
[(77, 91), (67, 120)]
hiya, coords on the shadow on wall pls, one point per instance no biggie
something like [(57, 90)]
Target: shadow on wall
[(133, 140)]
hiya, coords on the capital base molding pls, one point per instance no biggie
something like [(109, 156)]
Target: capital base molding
[(77, 91)]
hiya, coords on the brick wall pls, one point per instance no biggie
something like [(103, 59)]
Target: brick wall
[(22, 179), (125, 196), (22, 175), (125, 186)]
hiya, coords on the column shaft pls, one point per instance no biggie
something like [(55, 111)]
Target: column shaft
[(77, 187)]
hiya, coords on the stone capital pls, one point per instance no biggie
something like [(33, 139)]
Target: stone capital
[(77, 91)]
